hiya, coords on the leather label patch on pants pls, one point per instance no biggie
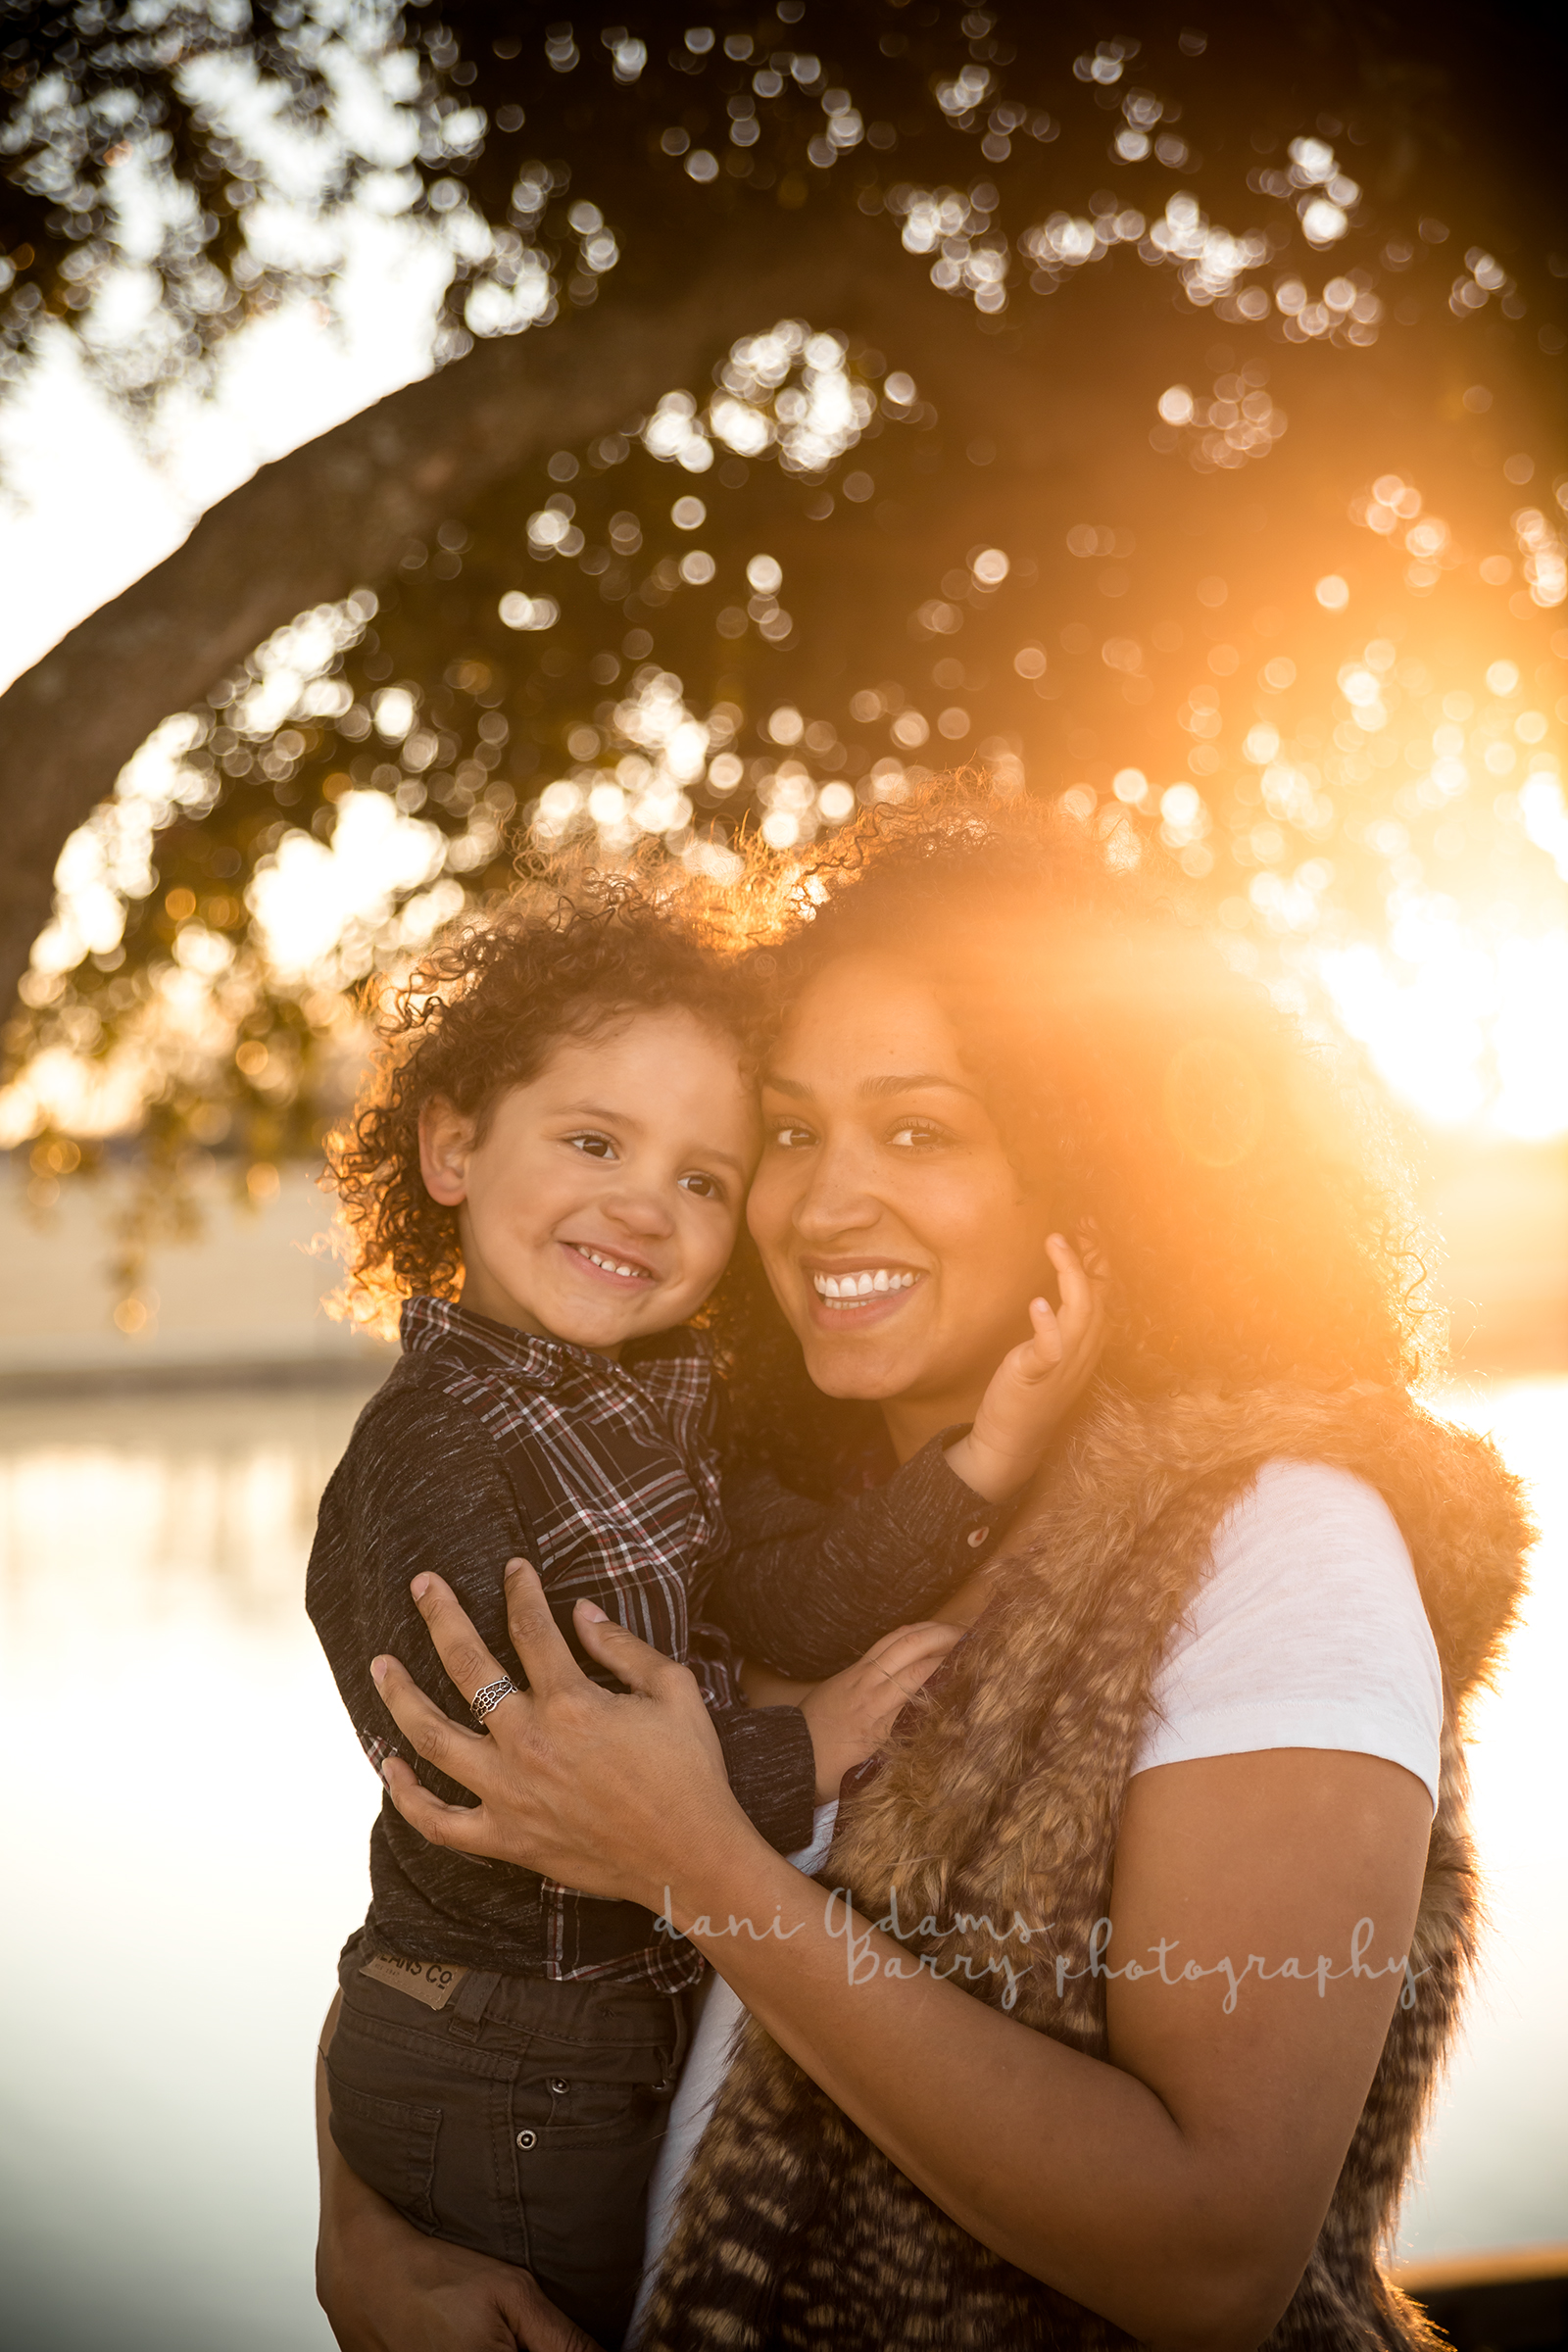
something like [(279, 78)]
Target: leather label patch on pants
[(431, 1982)]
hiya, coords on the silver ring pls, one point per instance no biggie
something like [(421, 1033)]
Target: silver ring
[(485, 1703)]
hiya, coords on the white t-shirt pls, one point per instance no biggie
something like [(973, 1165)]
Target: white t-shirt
[(1308, 1632)]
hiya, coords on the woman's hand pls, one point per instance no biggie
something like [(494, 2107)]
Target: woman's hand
[(851, 1714), (386, 2287), (611, 1793)]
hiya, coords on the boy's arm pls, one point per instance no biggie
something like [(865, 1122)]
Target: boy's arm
[(421, 1489), (771, 1763), (425, 1488), (809, 1586)]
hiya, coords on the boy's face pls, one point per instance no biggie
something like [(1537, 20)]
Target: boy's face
[(604, 1198)]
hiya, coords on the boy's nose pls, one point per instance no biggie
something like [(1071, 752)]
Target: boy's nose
[(644, 1214)]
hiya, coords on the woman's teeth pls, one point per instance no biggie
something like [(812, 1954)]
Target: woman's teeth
[(611, 1265), (848, 1290)]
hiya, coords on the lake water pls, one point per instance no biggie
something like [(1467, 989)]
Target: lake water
[(175, 1925)]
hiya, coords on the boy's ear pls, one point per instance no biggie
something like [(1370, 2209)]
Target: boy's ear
[(446, 1139)]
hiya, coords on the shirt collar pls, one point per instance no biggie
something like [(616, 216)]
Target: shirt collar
[(665, 1360)]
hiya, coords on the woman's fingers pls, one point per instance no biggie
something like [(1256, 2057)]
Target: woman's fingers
[(642, 1669), (450, 1746), (536, 1637), (459, 1648), (457, 1826)]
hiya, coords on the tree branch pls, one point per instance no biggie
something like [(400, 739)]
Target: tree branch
[(336, 513)]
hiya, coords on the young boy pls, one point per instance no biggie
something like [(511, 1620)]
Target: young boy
[(562, 1118)]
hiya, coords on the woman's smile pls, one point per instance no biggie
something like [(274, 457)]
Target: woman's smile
[(860, 1286)]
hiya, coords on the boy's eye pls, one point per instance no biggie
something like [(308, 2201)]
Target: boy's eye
[(707, 1188), (596, 1146)]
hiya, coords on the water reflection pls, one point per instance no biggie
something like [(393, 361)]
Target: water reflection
[(180, 1926), (1497, 2157)]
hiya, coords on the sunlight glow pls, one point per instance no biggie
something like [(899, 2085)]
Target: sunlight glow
[(1462, 1025), (320, 910)]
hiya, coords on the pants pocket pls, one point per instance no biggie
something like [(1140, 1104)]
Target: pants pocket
[(391, 2143), (582, 2187)]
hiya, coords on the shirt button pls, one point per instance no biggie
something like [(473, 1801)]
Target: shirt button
[(527, 2139), (559, 2085), (978, 1538)]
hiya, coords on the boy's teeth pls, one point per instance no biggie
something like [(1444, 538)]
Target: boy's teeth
[(609, 1264)]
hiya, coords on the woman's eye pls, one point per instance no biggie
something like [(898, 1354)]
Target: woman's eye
[(596, 1146), (915, 1135), (793, 1138)]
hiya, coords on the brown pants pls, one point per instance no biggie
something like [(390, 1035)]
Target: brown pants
[(512, 2114)]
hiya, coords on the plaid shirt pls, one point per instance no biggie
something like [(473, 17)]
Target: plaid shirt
[(619, 1478), (483, 1443), (615, 1463)]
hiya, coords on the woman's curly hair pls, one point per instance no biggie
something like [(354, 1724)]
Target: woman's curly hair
[(1154, 1100), (481, 1013)]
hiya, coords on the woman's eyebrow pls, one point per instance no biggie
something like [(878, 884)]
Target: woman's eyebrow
[(874, 1089), (917, 1081)]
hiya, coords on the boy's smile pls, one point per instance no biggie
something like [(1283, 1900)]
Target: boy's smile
[(619, 1269), (601, 1202)]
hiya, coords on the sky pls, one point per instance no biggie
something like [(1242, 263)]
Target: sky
[(86, 507)]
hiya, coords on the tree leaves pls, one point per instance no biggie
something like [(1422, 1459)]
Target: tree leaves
[(1087, 402)]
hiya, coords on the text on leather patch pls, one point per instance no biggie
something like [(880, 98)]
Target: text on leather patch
[(432, 1982)]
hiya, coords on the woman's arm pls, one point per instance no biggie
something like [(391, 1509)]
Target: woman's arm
[(1176, 2189), (386, 2287)]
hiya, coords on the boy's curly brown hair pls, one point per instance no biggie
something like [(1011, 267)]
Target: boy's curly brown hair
[(481, 1013)]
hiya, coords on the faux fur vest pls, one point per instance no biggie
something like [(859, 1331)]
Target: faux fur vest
[(1004, 1800)]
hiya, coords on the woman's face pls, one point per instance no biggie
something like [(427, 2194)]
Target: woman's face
[(896, 1233)]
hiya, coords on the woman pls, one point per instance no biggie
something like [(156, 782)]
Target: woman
[(1152, 1944)]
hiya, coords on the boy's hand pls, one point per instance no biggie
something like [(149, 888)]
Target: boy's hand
[(851, 1714), (1035, 1384)]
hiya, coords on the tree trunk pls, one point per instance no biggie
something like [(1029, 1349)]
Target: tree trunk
[(336, 514)]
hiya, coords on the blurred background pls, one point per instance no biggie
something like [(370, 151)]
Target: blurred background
[(431, 435)]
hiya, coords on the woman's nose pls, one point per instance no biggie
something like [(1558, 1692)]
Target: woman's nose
[(837, 1198)]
